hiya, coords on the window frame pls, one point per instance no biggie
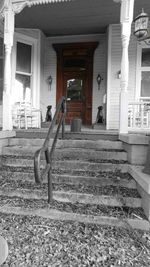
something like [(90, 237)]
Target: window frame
[(140, 69), (19, 37)]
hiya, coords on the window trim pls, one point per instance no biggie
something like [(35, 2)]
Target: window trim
[(139, 70), (19, 37)]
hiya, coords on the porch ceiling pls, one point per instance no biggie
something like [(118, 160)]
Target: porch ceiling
[(74, 17)]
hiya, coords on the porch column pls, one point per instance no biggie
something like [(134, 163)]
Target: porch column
[(127, 7), (8, 15)]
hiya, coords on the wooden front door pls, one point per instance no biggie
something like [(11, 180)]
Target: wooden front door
[(74, 90), (75, 79)]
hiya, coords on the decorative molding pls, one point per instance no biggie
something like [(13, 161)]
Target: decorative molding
[(3, 6), (40, 2), (19, 5), (127, 7)]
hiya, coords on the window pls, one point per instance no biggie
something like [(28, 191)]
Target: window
[(23, 76), (143, 72), (1, 67), (74, 89)]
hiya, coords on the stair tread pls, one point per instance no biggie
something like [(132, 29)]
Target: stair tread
[(29, 148), (112, 190), (29, 160), (87, 178), (75, 208), (73, 193), (67, 143), (102, 195)]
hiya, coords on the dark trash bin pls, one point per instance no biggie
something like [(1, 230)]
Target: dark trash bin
[(76, 125)]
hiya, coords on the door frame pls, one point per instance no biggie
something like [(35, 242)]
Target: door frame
[(85, 50)]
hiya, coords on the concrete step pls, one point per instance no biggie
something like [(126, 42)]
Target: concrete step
[(100, 179), (87, 144), (111, 195), (69, 153), (71, 165), (84, 135), (73, 197), (79, 202), (87, 208), (54, 214)]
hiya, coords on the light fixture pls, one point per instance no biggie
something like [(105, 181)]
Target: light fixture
[(119, 74), (50, 80), (99, 79), (141, 30)]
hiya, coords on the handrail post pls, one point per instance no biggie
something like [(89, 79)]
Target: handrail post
[(61, 107), (50, 191), (63, 128)]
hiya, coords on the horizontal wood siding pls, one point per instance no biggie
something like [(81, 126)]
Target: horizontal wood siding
[(34, 33), (113, 85)]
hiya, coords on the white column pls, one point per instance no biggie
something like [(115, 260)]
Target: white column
[(127, 7), (8, 43)]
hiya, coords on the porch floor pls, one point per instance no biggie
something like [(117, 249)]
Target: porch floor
[(84, 129)]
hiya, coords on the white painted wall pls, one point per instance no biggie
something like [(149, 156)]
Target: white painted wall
[(107, 60), (113, 66), (49, 97)]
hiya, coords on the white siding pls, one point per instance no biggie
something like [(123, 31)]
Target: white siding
[(107, 63), (34, 33), (113, 83), (49, 97)]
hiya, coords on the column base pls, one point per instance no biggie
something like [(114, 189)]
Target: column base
[(123, 120), (7, 112)]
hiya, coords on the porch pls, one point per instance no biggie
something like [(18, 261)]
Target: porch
[(106, 81)]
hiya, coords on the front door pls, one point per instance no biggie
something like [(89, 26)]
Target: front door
[(75, 79), (74, 90)]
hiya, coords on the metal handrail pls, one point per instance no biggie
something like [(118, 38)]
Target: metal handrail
[(61, 107)]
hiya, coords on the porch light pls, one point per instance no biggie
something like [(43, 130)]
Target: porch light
[(141, 26), (99, 79), (50, 80)]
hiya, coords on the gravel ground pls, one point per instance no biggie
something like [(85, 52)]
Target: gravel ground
[(101, 210), (37, 242)]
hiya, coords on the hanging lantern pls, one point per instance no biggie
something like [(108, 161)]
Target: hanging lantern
[(141, 25), (99, 80)]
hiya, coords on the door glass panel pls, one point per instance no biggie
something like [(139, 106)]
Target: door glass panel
[(23, 58), (145, 84), (74, 89), (146, 57)]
